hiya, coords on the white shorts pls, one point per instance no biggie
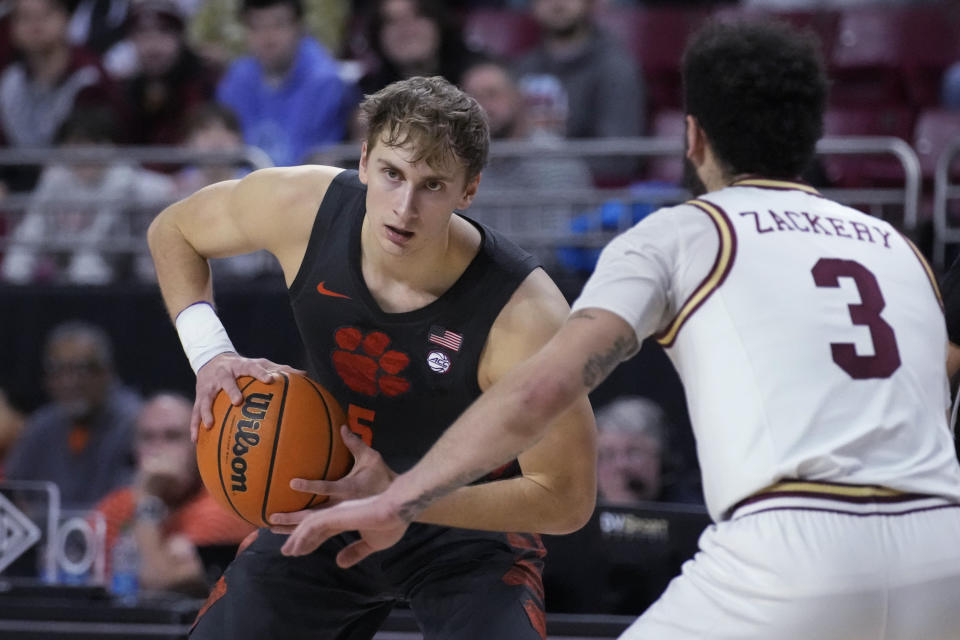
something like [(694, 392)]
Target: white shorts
[(799, 568)]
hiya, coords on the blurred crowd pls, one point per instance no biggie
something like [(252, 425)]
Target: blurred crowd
[(111, 452), (235, 85), (281, 76), (126, 457)]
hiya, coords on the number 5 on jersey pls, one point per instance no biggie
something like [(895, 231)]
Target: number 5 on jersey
[(360, 421)]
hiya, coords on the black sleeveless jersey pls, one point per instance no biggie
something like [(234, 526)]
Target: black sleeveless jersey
[(402, 378)]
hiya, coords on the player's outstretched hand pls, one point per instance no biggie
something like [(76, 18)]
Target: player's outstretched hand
[(369, 476), (221, 372), (377, 521)]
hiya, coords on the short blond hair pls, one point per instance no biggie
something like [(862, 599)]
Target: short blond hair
[(442, 123)]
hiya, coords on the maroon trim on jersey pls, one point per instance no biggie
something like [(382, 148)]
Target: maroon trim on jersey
[(890, 499), (726, 255), (834, 492), (772, 184), (852, 513)]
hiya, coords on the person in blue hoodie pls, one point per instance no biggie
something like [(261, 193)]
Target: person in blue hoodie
[(287, 92)]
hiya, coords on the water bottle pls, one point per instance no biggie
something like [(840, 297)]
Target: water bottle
[(125, 560)]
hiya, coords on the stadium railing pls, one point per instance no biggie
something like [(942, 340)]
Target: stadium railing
[(946, 189), (540, 220), (128, 239), (520, 212)]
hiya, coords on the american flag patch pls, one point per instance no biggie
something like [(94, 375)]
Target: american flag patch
[(445, 338)]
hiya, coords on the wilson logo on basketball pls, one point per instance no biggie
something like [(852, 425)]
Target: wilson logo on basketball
[(254, 410), (365, 364), (283, 429)]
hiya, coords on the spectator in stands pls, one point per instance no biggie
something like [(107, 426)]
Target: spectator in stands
[(166, 508), (11, 426), (48, 80), (78, 208), (619, 563), (287, 94), (171, 81), (81, 441), (217, 33), (413, 38), (406, 38), (634, 462), (214, 127), (98, 25), (582, 71), (492, 85)]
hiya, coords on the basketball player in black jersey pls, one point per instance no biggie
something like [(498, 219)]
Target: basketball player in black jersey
[(408, 312)]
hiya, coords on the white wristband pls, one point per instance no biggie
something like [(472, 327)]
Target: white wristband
[(201, 334)]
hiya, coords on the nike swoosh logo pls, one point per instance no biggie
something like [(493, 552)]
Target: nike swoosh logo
[(333, 294)]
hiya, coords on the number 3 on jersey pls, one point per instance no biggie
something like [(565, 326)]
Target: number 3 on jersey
[(886, 357)]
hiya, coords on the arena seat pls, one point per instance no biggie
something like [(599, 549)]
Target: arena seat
[(866, 171), (500, 32), (893, 55), (6, 44), (656, 36), (823, 23), (930, 44), (935, 129), (864, 62)]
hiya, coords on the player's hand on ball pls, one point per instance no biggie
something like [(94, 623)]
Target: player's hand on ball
[(221, 373), (376, 520), (369, 476)]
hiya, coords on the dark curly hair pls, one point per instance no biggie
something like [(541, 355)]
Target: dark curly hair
[(758, 90)]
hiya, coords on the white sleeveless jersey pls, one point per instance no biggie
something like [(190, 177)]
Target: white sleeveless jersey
[(809, 338)]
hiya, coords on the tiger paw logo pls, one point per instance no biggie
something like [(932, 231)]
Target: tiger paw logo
[(365, 364)]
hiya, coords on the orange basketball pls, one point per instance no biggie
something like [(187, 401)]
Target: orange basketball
[(287, 429)]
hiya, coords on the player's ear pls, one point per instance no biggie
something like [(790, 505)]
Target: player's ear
[(695, 140), (469, 192), (362, 169)]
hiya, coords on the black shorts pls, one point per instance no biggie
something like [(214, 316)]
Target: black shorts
[(459, 584)]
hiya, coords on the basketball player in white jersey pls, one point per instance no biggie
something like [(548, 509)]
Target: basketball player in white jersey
[(812, 348)]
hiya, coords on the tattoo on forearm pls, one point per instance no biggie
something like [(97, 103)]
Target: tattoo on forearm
[(599, 365), (412, 508)]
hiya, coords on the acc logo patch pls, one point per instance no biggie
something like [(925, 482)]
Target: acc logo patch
[(438, 361)]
